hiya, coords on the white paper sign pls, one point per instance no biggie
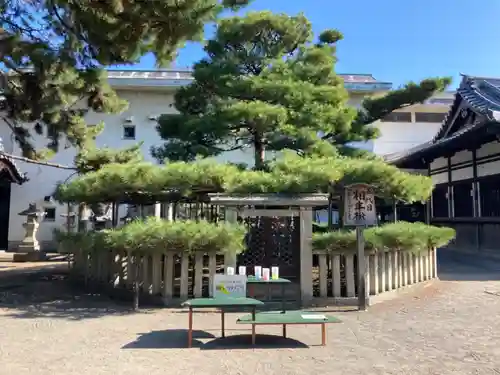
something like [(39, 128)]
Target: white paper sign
[(229, 286), (314, 317), (359, 206)]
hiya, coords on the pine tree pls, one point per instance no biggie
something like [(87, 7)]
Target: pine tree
[(53, 51), (92, 159), (265, 85)]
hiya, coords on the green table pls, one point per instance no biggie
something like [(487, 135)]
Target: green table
[(220, 303), (285, 318), (252, 280)]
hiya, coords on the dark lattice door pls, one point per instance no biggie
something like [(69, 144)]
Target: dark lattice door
[(273, 241)]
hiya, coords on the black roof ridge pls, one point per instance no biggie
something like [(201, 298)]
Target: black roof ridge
[(18, 175), (481, 100)]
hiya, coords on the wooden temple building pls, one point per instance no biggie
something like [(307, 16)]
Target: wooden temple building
[(463, 161), (9, 174)]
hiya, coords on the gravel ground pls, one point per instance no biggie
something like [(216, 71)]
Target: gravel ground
[(449, 327)]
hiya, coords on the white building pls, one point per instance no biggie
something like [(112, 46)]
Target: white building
[(150, 93)]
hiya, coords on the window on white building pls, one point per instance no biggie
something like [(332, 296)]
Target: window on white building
[(128, 131), (397, 117), (50, 214), (429, 117)]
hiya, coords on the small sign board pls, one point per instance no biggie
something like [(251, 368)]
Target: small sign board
[(359, 205), (229, 286)]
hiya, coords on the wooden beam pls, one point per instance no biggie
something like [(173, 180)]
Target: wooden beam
[(268, 213), (298, 200)]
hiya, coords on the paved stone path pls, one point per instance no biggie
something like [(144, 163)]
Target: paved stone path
[(8, 267), (449, 327)]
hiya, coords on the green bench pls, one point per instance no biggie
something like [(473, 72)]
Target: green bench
[(220, 303), (285, 318)]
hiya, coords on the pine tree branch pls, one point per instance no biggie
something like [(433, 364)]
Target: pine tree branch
[(63, 22), (45, 163), (22, 142)]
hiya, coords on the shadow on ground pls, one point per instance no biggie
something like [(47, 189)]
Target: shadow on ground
[(459, 266), (51, 295), (177, 339), (46, 257)]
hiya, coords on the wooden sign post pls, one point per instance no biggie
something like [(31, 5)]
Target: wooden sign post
[(359, 211)]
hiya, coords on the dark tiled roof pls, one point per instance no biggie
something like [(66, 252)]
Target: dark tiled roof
[(357, 78), (481, 95), (15, 173)]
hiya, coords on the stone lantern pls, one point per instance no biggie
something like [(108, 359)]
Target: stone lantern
[(101, 215), (70, 221), (29, 248)]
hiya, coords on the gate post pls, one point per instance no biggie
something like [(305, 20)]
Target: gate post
[(306, 261), (231, 216)]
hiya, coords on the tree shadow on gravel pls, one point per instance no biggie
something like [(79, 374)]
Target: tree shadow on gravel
[(168, 339), (51, 295), (177, 339), (460, 266)]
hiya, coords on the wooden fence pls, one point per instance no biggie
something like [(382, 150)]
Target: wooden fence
[(336, 274), (171, 277)]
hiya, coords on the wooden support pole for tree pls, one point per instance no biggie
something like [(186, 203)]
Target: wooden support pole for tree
[(360, 243), (136, 286), (114, 218), (68, 218), (330, 211)]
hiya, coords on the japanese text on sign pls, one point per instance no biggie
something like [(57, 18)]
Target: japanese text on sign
[(229, 286), (359, 205)]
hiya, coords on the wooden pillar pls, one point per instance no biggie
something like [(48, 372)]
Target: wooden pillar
[(306, 264), (450, 190), (231, 217), (115, 208), (374, 272), (330, 211), (158, 210), (428, 204), (476, 198), (169, 211)]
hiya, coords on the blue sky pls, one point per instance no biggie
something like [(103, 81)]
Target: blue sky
[(398, 40)]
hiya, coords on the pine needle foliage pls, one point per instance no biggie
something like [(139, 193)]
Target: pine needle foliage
[(291, 174), (268, 84), (154, 235), (91, 159), (53, 53), (400, 236)]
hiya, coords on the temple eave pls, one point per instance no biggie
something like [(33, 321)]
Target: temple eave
[(9, 172)]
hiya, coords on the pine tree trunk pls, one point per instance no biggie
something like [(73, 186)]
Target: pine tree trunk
[(259, 153)]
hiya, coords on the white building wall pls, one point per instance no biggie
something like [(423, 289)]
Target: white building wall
[(399, 136), (439, 163), (43, 179)]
